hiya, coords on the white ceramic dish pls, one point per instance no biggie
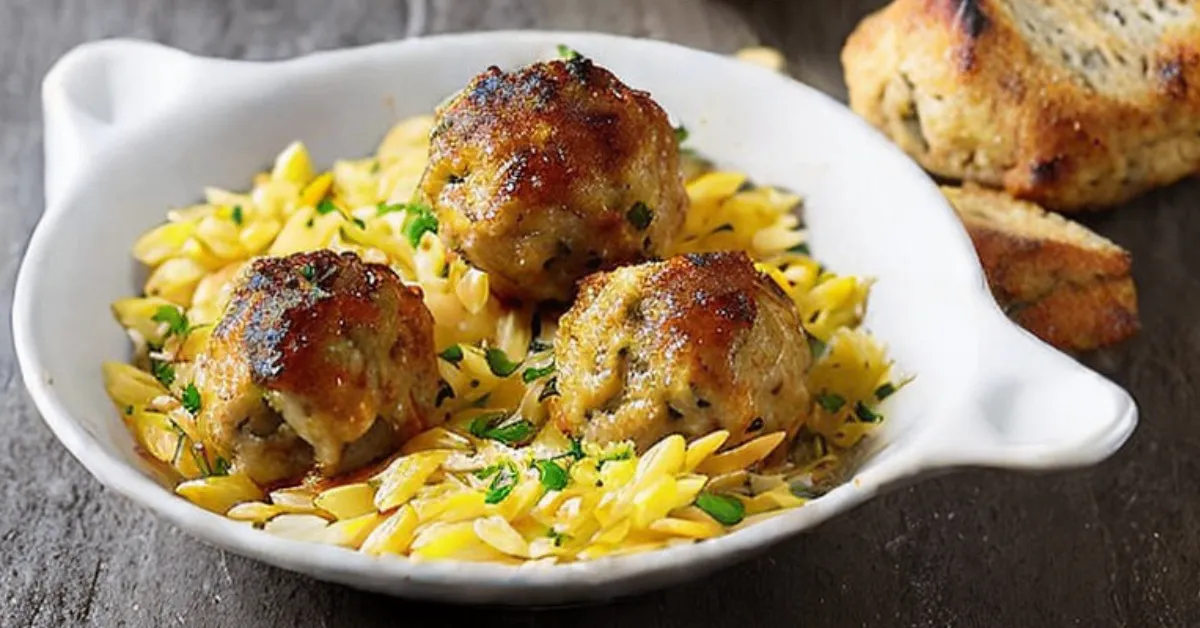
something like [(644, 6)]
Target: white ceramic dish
[(133, 128)]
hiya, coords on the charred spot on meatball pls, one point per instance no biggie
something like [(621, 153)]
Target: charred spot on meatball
[(545, 174), (321, 363), (690, 345)]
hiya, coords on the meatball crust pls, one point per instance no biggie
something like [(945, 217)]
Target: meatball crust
[(548, 173), (321, 363), (688, 346)]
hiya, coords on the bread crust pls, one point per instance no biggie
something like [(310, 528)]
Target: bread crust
[(1066, 285), (1072, 105)]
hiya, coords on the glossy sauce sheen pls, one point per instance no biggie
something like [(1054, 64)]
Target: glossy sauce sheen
[(534, 174), (690, 345), (340, 350)]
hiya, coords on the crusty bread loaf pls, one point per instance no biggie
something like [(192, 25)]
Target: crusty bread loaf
[(1072, 104), (1062, 282)]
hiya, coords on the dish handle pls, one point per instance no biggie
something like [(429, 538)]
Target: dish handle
[(100, 87), (1033, 408)]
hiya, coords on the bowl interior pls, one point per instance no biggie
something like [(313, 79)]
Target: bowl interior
[(870, 211)]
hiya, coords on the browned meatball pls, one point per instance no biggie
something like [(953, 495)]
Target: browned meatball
[(686, 346), (545, 174), (321, 363)]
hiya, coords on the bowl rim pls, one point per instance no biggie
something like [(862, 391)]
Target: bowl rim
[(447, 581)]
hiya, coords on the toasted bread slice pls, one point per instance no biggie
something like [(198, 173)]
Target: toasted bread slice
[(1073, 105), (1064, 283)]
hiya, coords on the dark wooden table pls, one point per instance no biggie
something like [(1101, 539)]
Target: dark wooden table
[(1116, 545)]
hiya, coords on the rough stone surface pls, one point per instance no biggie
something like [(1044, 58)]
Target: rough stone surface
[(1115, 545)]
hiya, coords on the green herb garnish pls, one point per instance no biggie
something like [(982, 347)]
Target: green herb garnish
[(639, 216), (236, 215), (568, 53), (885, 391), (554, 477), (816, 346), (832, 402), (200, 459), (384, 208), (681, 134), (725, 509), (549, 390), (422, 221), (487, 471), (499, 363), (308, 271), (502, 484), (865, 414), (177, 323), (163, 372), (486, 426), (624, 453), (801, 249), (191, 399), (326, 206), (358, 222), (576, 450), (530, 374), (452, 354), (221, 466), (558, 537)]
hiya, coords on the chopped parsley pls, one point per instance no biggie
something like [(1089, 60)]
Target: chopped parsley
[(221, 466), (326, 206), (176, 322), (163, 372), (832, 402), (639, 216), (359, 223), (549, 390), (488, 426), (623, 453), (576, 450), (865, 414), (236, 215), (885, 391), (558, 537), (725, 509), (530, 374), (568, 53), (308, 271), (487, 471), (421, 221), (499, 363), (502, 483), (537, 345), (801, 249), (200, 459), (452, 354), (681, 134), (384, 208), (553, 477), (816, 346), (191, 399)]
